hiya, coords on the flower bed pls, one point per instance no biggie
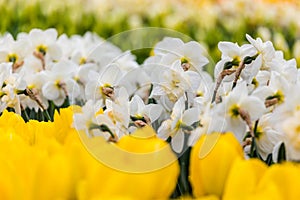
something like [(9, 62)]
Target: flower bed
[(89, 122)]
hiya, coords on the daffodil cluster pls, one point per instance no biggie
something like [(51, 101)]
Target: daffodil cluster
[(128, 106), (252, 93)]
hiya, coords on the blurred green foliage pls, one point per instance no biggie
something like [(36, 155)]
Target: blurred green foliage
[(17, 16)]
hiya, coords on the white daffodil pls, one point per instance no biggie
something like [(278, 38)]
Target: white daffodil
[(232, 56), (266, 49), (140, 111), (287, 69), (44, 45), (59, 83), (288, 108), (173, 82), (137, 81), (104, 54), (12, 86), (119, 111), (239, 109), (83, 46), (93, 121), (190, 55), (274, 93), (34, 98), (291, 129), (101, 86), (14, 51), (266, 136), (126, 62), (203, 92), (180, 121), (209, 122)]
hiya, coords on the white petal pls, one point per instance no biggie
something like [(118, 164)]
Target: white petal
[(50, 34), (157, 91), (178, 108), (59, 101), (167, 45), (276, 151), (79, 121), (263, 92), (63, 68), (164, 130), (92, 90), (229, 49), (50, 91), (139, 104), (153, 111), (254, 106), (190, 116), (111, 74), (72, 88), (55, 51), (178, 141), (238, 127)]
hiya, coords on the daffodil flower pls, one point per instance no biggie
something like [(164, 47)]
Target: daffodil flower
[(275, 92), (101, 86), (45, 43), (14, 51), (266, 49), (118, 110), (232, 56), (180, 121), (93, 121), (190, 55), (140, 111), (266, 137), (172, 82), (59, 83), (232, 105)]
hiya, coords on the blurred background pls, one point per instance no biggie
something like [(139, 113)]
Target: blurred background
[(206, 21)]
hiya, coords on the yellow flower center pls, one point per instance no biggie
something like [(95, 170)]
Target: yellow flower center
[(178, 124), (255, 82), (99, 112), (184, 60), (42, 49), (234, 110), (82, 60), (259, 132), (199, 94), (278, 95), (12, 57), (102, 87)]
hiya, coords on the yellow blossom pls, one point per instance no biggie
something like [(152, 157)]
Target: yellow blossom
[(210, 162), (243, 179), (132, 168)]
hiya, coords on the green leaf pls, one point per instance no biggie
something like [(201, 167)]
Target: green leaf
[(281, 153), (269, 160)]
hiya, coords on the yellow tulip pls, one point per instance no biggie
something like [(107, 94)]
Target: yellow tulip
[(139, 166), (210, 162), (284, 178), (243, 179)]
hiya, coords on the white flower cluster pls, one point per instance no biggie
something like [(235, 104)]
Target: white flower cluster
[(254, 93)]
